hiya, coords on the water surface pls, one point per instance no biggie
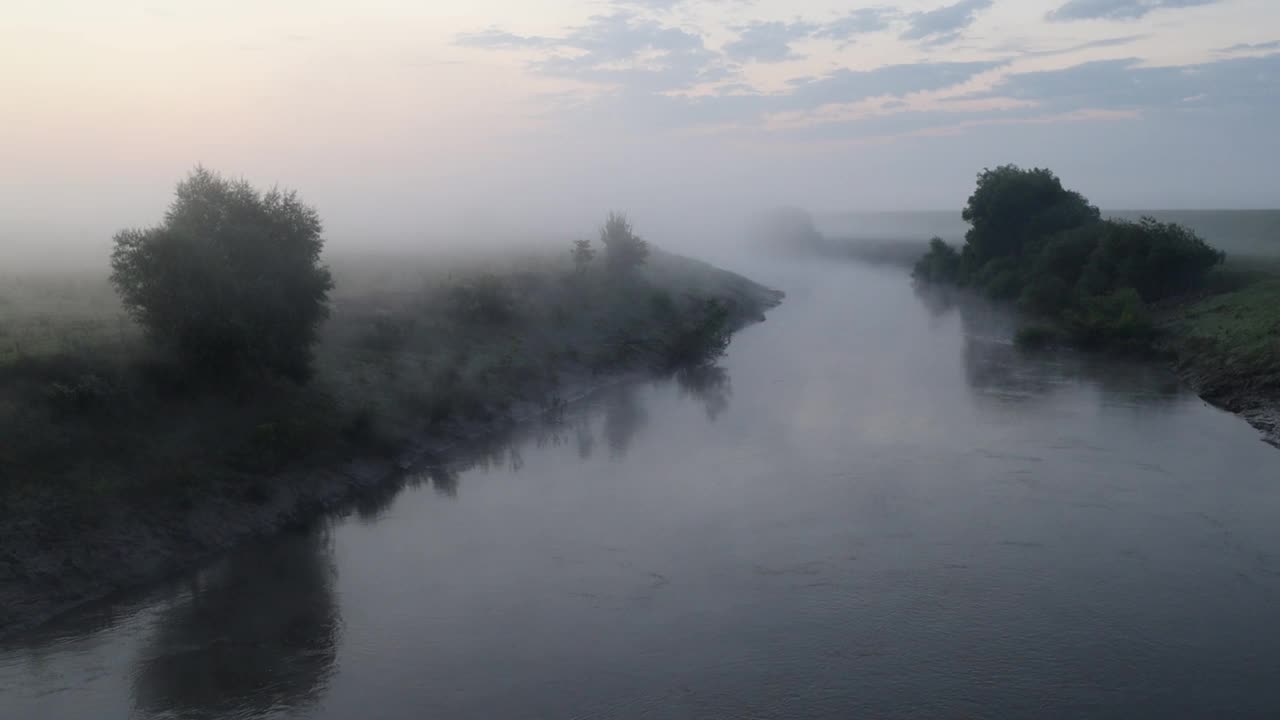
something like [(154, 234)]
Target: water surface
[(876, 508)]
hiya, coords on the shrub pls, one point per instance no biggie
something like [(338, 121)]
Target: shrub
[(1118, 319), (1045, 295), (1032, 239), (698, 335), (231, 280), (1000, 279), (624, 251), (1156, 259), (940, 264)]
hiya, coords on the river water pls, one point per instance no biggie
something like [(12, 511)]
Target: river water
[(876, 508)]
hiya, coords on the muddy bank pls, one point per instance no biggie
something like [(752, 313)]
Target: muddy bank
[(1235, 394)]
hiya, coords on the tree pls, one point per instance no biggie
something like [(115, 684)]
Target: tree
[(231, 280), (624, 251), (582, 254), (1013, 208)]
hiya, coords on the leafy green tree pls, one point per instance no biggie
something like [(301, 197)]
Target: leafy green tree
[(1013, 208), (231, 280), (624, 251)]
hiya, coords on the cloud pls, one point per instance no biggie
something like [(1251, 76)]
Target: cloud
[(771, 41), (663, 6), (1251, 47), (1250, 82), (844, 85), (858, 22), (1091, 45), (649, 4), (495, 38), (944, 24), (1117, 9), (743, 109), (767, 41), (638, 54)]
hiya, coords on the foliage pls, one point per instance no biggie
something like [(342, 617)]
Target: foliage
[(1158, 260), (1013, 208), (582, 254), (1117, 319), (624, 251), (1034, 336), (231, 280), (410, 349), (940, 264), (697, 334), (1087, 279)]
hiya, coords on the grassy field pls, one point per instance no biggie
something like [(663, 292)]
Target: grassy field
[(1229, 341)]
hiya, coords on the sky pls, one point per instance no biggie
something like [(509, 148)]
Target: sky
[(394, 117)]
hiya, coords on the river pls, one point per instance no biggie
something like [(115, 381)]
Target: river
[(876, 508)]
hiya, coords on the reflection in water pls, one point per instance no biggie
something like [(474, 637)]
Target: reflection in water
[(709, 384), (624, 416), (257, 633), (995, 367), (890, 520), (584, 438)]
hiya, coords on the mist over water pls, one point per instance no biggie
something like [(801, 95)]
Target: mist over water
[(876, 506)]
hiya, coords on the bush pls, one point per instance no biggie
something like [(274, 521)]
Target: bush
[(1000, 279), (698, 335), (1045, 245), (940, 264), (1156, 259), (231, 281), (1045, 296), (1118, 319)]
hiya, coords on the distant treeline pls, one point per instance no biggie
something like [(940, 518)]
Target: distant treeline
[(1087, 281)]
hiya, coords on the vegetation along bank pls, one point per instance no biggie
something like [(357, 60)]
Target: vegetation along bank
[(1141, 286), (226, 382)]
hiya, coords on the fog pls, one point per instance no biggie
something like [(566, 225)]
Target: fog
[(417, 128)]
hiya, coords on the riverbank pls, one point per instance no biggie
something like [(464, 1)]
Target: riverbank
[(115, 473), (1226, 342), (1223, 341)]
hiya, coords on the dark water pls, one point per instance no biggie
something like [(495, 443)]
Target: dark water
[(878, 509)]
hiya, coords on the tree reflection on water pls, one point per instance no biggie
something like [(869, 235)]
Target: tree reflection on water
[(256, 633)]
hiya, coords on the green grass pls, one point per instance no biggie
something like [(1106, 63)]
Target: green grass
[(1231, 339)]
